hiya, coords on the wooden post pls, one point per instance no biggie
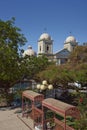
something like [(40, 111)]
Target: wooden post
[(65, 122), (33, 114), (42, 118), (22, 106)]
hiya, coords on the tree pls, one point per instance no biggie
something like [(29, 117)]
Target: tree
[(56, 75), (82, 106), (79, 55), (65, 74), (75, 70), (78, 63), (11, 41), (34, 65)]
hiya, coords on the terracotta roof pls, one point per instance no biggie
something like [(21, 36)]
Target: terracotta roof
[(31, 94), (57, 106)]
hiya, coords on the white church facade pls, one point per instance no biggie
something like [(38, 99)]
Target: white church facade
[(45, 47)]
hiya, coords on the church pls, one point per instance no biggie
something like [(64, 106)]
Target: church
[(45, 47)]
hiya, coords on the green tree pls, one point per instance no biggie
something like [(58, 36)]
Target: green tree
[(11, 41), (79, 55), (64, 74), (56, 75), (34, 65), (81, 124)]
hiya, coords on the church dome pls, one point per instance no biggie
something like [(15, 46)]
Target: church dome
[(45, 36), (29, 52), (70, 39)]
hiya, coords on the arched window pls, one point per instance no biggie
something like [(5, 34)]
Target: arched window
[(47, 48), (40, 48)]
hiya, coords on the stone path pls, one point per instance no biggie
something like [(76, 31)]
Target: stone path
[(28, 121), (10, 121)]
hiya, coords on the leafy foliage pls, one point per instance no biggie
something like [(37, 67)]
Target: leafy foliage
[(82, 106), (14, 67), (79, 55), (10, 42), (74, 70), (55, 75), (33, 66)]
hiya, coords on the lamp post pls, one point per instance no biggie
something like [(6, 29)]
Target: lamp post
[(44, 86)]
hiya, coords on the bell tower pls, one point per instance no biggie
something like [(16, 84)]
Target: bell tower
[(45, 45), (70, 43)]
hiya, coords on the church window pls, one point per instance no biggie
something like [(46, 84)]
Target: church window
[(47, 48), (40, 48)]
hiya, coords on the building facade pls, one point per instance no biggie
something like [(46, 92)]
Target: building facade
[(45, 47)]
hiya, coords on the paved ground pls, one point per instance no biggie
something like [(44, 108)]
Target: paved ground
[(10, 121)]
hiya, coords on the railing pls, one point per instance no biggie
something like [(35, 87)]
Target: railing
[(62, 125)]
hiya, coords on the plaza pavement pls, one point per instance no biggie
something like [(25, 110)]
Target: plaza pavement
[(10, 121)]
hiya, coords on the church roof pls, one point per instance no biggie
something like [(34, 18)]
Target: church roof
[(70, 39), (45, 36), (64, 53)]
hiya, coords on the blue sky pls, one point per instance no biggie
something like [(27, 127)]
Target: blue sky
[(55, 17)]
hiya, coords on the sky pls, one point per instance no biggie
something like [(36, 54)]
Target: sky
[(58, 18)]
